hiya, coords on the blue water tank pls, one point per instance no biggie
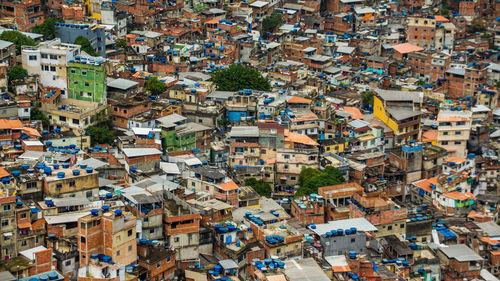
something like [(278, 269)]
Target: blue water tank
[(118, 213)]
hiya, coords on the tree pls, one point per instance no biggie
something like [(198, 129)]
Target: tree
[(155, 86), (270, 23), (329, 176), (260, 186), (444, 12), (306, 174), (16, 72), (48, 28), (37, 114), (238, 77), (121, 43), (18, 39), (86, 46), (100, 135), (476, 26), (367, 99)]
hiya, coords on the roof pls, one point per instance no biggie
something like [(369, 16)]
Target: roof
[(93, 163), (455, 159), (30, 253), (406, 48), (429, 135), (244, 131), (487, 276), (354, 111), (297, 99), (299, 138), (400, 113), (491, 228), (70, 201), (5, 44), (7, 276), (393, 95), (122, 84), (455, 195), (228, 264), (460, 252), (345, 49), (170, 168), (358, 123), (361, 224), (65, 218), (228, 186), (10, 124), (259, 4), (171, 119), (338, 263), (212, 173), (137, 152), (304, 270), (456, 71)]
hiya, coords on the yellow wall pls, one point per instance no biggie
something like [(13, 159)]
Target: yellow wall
[(336, 148), (379, 112)]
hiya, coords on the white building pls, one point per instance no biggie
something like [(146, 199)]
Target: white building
[(49, 60)]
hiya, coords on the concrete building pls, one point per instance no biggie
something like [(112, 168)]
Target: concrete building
[(49, 61), (454, 131), (76, 182), (69, 32), (340, 236), (87, 79), (112, 234)]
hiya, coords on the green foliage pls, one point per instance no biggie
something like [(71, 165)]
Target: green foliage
[(270, 23), (367, 99), (100, 135), (86, 46), (444, 12), (238, 77), (18, 39), (48, 28), (476, 26), (260, 186), (310, 181), (154, 85), (37, 114), (16, 72), (121, 43)]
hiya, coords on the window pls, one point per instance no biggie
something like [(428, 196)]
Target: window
[(73, 71), (44, 56), (53, 57), (193, 184), (5, 222), (76, 82), (118, 253), (445, 133), (46, 67), (389, 227), (22, 216), (59, 186), (402, 225), (32, 57), (52, 68), (6, 207), (82, 239), (444, 143), (89, 194), (23, 243), (458, 133), (353, 240), (152, 230), (62, 118), (72, 184), (458, 142), (129, 233), (158, 265), (176, 239), (84, 72), (87, 84), (286, 166), (67, 263), (286, 156), (75, 121)]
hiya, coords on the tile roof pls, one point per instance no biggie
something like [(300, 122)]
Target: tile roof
[(406, 48), (296, 99), (228, 186)]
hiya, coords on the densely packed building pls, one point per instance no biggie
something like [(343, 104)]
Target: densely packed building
[(249, 140)]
